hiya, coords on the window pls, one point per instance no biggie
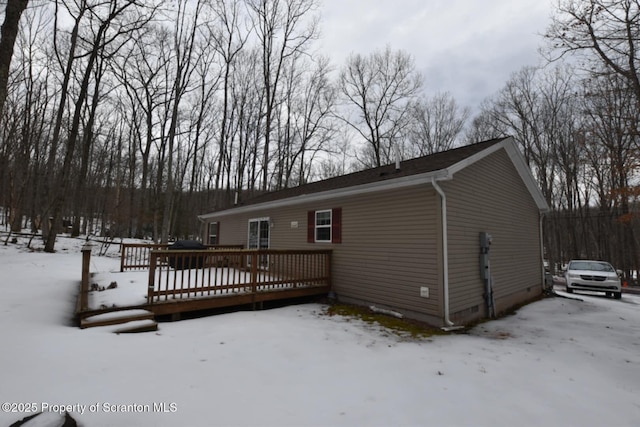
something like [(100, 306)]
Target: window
[(213, 233), (259, 231), (324, 226)]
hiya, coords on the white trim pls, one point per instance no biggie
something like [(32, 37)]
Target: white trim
[(315, 226)]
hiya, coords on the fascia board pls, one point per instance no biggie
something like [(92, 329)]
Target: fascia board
[(391, 184)]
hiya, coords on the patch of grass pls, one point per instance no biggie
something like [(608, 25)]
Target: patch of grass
[(404, 328)]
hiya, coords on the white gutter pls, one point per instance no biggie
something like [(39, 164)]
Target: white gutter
[(445, 255)]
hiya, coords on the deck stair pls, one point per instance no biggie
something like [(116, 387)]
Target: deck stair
[(122, 321)]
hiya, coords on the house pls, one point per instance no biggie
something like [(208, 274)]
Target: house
[(447, 238)]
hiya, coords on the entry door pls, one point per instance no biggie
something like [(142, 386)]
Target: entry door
[(259, 233), (259, 237)]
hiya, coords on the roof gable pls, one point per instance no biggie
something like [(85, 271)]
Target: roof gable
[(438, 166)]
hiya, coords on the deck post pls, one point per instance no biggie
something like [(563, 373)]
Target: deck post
[(254, 278), (84, 283), (152, 276), (123, 250)]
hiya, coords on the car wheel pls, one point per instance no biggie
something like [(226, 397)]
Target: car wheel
[(569, 290), (617, 295)]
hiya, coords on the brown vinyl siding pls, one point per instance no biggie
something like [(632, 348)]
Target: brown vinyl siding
[(235, 230), (490, 196), (388, 248)]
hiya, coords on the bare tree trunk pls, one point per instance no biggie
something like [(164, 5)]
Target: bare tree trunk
[(50, 228), (184, 50), (87, 141), (8, 34), (62, 185)]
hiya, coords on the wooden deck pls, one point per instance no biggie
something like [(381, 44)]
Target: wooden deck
[(182, 281)]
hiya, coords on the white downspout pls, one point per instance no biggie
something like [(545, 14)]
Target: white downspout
[(544, 273), (445, 255)]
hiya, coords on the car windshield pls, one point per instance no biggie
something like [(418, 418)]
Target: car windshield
[(591, 265)]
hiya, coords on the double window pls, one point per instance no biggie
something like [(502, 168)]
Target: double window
[(324, 226)]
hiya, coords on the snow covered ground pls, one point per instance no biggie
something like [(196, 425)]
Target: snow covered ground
[(557, 362)]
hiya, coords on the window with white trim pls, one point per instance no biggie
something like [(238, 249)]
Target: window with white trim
[(323, 226)]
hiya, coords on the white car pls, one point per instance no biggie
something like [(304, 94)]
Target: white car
[(593, 276)]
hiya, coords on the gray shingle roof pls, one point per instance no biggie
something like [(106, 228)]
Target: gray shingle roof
[(425, 164)]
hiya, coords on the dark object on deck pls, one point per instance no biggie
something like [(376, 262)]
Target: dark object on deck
[(183, 262)]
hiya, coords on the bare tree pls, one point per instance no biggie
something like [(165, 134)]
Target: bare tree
[(66, 67), (248, 104), (611, 143), (140, 72), (227, 33), (606, 29), (304, 120), (484, 126), (8, 34), (436, 124), (606, 33), (109, 33), (284, 29), (185, 31), (313, 127), (26, 110), (381, 87)]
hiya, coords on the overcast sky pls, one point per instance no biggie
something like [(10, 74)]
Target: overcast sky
[(466, 47)]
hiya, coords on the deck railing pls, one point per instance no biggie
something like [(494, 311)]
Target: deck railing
[(135, 256), (179, 275)]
